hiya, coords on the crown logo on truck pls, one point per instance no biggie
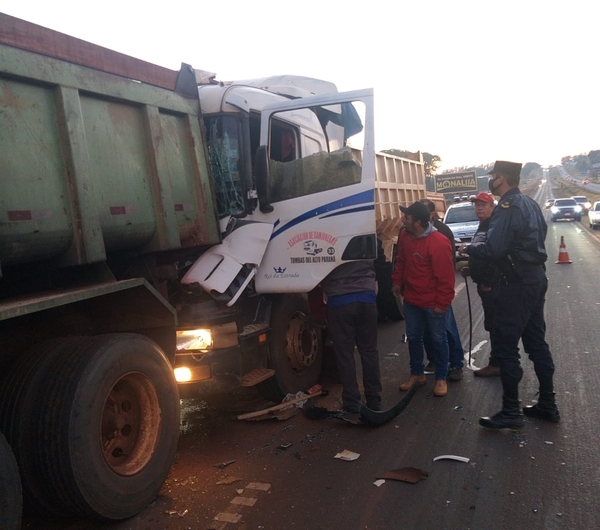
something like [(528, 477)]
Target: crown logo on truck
[(279, 270)]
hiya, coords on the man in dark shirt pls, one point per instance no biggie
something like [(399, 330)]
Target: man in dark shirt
[(515, 241), (352, 320), (485, 274)]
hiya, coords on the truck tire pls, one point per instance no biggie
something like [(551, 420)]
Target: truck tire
[(11, 502), (296, 349), (99, 423)]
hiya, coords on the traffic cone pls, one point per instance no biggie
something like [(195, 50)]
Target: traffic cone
[(563, 255)]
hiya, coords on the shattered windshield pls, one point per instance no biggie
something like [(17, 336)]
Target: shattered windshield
[(222, 135)]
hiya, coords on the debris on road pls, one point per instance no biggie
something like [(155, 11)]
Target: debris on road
[(301, 397), (406, 474), (452, 457), (283, 447), (378, 418), (346, 455), (228, 517), (261, 486), (228, 480), (223, 465), (379, 482)]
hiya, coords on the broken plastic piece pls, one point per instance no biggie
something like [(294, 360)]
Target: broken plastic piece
[(349, 456), (283, 447), (452, 457), (379, 482), (222, 465)]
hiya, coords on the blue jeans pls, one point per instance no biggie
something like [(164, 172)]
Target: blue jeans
[(422, 321), (456, 353)]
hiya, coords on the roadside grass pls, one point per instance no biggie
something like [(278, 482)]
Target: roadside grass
[(562, 189)]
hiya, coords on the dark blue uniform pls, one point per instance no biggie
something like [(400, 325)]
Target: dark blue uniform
[(515, 242)]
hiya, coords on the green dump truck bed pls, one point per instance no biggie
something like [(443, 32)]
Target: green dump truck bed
[(93, 162)]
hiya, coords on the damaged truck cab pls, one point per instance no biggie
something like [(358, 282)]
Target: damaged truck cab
[(294, 202)]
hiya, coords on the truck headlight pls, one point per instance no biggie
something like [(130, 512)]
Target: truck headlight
[(554, 209), (194, 340), (182, 374), (588, 205), (577, 208)]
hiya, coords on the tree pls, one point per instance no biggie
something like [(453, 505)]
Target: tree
[(582, 163), (531, 171), (594, 157)]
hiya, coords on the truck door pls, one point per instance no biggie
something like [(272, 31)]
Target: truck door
[(315, 177)]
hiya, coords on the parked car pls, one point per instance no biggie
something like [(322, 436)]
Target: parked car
[(549, 203), (463, 222), (594, 215), (583, 202), (565, 209)]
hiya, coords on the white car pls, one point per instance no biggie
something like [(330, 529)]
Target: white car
[(594, 215), (463, 222)]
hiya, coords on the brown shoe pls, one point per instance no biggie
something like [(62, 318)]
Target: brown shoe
[(441, 388), (421, 379), (488, 371)]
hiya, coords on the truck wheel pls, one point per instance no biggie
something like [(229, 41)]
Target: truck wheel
[(296, 349), (99, 426), (11, 502)]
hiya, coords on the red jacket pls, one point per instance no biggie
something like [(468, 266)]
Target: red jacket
[(425, 268)]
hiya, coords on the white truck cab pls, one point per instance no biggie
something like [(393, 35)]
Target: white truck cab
[(285, 176)]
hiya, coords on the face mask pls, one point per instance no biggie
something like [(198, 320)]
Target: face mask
[(491, 186)]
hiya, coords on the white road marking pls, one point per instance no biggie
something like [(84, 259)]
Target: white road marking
[(228, 517), (474, 350), (246, 501)]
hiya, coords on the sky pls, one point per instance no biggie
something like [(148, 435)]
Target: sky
[(469, 81)]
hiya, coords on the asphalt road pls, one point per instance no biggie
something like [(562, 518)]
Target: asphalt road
[(542, 477)]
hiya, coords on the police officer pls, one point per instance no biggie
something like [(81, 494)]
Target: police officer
[(515, 241)]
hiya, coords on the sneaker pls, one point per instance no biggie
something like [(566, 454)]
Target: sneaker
[(440, 389), (488, 371), (413, 379), (430, 367), (455, 374)]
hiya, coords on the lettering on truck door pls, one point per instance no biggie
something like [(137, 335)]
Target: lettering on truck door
[(320, 195)]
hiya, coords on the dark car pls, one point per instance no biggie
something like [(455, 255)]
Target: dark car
[(565, 209)]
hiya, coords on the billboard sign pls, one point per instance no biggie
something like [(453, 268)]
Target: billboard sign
[(456, 182)]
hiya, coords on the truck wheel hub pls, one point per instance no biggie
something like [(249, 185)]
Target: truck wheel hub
[(302, 343)]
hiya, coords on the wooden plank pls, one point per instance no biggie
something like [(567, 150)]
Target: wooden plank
[(27, 36)]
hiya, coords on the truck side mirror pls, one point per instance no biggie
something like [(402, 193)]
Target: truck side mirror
[(262, 179)]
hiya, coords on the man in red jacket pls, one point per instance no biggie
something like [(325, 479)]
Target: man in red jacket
[(424, 275)]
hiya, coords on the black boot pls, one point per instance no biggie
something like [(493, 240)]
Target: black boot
[(545, 409), (509, 417)]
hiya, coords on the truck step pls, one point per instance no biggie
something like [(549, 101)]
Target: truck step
[(256, 376), (252, 329)]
